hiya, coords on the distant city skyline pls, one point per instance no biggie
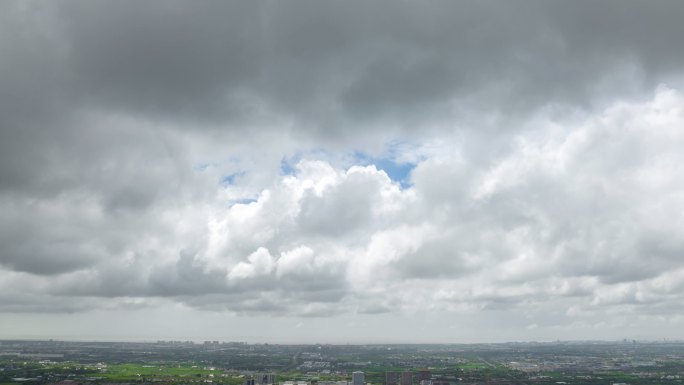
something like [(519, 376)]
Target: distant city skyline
[(71, 363), (341, 171)]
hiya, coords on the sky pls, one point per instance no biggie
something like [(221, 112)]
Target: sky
[(342, 171)]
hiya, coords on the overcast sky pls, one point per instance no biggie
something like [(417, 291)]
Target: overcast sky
[(342, 171)]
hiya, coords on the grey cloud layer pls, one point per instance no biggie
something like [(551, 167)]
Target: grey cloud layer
[(311, 59), (546, 156)]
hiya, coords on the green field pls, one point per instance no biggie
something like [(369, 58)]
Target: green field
[(473, 366), (165, 372)]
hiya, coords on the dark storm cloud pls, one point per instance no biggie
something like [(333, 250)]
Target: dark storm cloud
[(330, 66), (367, 60), (163, 59), (308, 59)]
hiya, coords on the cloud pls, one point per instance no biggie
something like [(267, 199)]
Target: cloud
[(572, 213), (259, 263), (240, 158), (297, 261)]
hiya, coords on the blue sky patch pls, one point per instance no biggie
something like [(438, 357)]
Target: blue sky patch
[(230, 179), (243, 201), (399, 172), (286, 167)]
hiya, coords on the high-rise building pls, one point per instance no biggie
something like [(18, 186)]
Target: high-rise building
[(391, 378), (424, 375), (265, 378), (406, 378), (357, 378)]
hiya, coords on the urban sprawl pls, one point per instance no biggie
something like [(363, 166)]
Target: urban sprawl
[(624, 362)]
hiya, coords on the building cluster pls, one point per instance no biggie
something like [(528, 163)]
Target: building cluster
[(314, 365), (423, 377), (175, 342), (261, 379)]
